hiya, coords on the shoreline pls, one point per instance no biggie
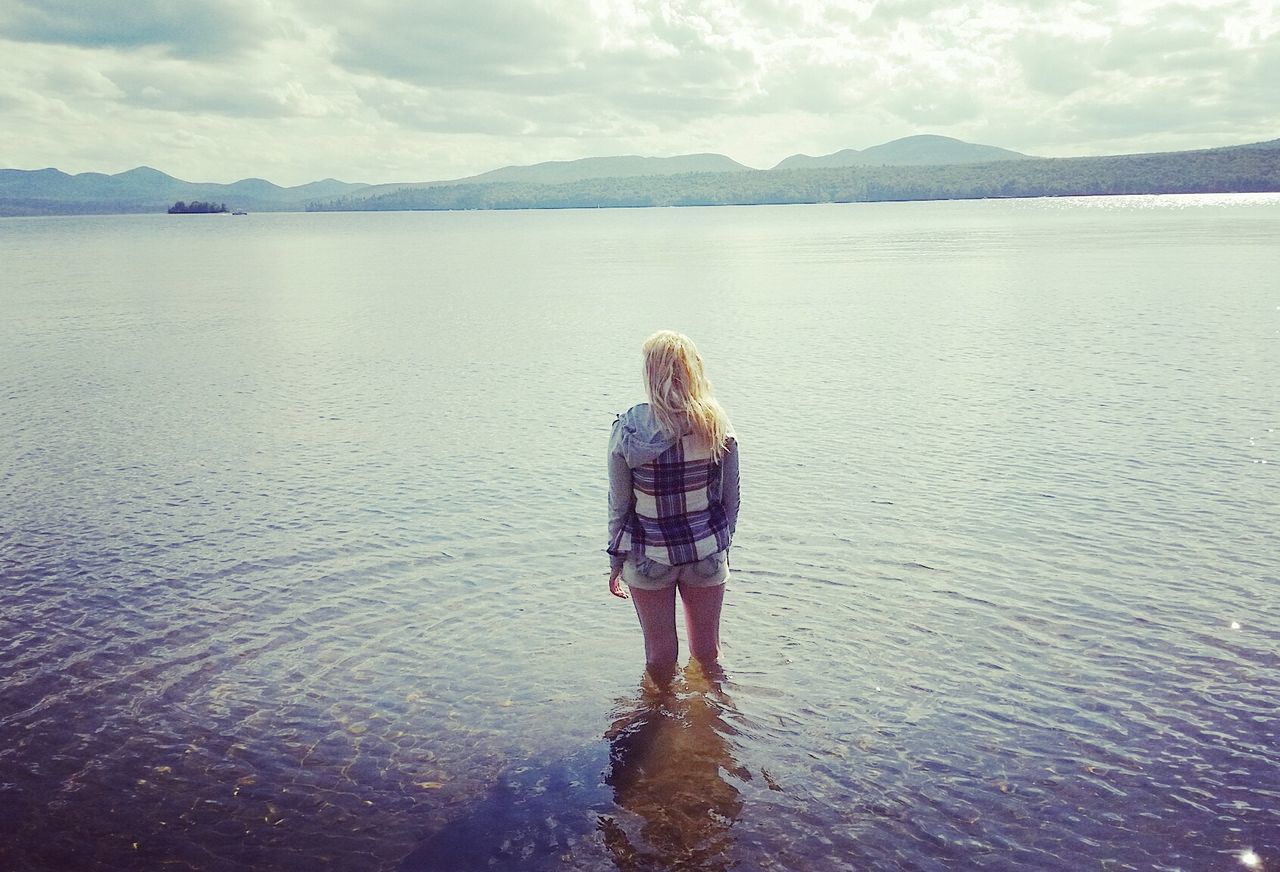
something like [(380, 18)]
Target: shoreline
[(692, 205)]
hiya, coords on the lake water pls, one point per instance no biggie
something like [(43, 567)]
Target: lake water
[(302, 518)]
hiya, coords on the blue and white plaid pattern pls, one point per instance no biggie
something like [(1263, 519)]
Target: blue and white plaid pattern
[(673, 519)]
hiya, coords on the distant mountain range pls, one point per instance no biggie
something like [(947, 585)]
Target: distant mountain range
[(560, 171), (1254, 167), (916, 167), (924, 150), (52, 192)]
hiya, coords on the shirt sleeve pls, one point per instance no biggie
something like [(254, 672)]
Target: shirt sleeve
[(620, 499), (729, 493)]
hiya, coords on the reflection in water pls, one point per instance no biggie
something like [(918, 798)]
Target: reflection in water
[(670, 763), (672, 772)]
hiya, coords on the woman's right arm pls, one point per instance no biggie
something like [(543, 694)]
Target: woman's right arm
[(620, 497), (620, 494)]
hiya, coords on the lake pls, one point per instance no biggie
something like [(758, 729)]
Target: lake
[(302, 521)]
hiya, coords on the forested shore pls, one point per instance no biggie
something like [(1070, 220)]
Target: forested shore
[(1240, 169)]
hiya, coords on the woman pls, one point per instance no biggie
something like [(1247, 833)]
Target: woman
[(673, 504)]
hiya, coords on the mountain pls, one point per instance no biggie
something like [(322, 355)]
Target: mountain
[(1269, 145), (324, 188), (560, 171), (847, 157), (1234, 169), (630, 166), (143, 189), (923, 150), (914, 168)]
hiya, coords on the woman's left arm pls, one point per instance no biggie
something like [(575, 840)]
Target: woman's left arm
[(730, 496)]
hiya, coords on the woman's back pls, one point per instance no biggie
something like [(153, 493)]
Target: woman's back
[(673, 504), (677, 511)]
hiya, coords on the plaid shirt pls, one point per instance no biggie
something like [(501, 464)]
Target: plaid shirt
[(674, 518)]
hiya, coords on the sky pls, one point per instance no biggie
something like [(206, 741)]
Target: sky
[(386, 91)]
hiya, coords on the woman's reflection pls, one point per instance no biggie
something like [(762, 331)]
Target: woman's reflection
[(671, 763)]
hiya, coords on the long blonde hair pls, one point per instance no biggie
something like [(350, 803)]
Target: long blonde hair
[(679, 391)]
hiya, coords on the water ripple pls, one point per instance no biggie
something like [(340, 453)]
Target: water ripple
[(299, 570)]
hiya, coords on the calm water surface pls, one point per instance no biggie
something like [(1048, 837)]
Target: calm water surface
[(301, 520)]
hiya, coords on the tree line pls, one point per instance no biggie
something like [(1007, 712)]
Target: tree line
[(1212, 171), (196, 206)]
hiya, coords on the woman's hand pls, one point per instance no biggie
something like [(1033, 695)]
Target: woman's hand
[(615, 584)]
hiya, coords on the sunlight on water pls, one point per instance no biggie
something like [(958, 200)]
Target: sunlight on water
[(1129, 202)]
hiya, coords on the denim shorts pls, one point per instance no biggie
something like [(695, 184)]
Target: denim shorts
[(649, 574)]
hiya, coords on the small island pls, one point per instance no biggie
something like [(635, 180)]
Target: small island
[(196, 207)]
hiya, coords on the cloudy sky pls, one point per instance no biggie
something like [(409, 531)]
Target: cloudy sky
[(408, 90)]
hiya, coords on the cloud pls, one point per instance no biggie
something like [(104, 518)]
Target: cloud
[(1055, 65), (934, 106), (193, 28), (1263, 69), (397, 90), (1133, 112), (454, 44), (1161, 73), (441, 111), (187, 90), (548, 70), (78, 82)]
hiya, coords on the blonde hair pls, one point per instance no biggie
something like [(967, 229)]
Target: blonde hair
[(679, 391)]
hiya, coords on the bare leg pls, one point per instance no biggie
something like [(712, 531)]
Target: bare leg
[(702, 621), (656, 610)]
